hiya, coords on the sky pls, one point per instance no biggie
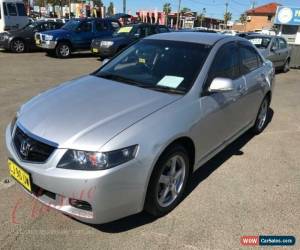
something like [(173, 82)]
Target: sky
[(214, 8)]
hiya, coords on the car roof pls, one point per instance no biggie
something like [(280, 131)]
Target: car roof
[(194, 37)]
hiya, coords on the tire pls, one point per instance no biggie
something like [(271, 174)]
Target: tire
[(262, 116), (63, 50), (165, 191), (18, 46), (286, 66)]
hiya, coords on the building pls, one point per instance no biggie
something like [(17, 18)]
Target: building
[(261, 17)]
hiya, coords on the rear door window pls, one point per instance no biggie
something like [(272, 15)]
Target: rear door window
[(250, 59), (12, 10), (21, 9)]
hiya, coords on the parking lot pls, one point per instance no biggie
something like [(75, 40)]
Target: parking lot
[(250, 188)]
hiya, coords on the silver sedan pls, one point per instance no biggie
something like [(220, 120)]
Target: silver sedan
[(127, 137)]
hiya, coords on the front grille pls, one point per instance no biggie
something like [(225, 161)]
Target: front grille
[(29, 149), (97, 43)]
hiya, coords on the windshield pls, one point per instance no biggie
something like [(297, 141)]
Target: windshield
[(72, 25), (167, 66), (125, 31), (260, 42), (30, 26)]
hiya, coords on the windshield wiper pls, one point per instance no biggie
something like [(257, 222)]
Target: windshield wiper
[(119, 79), (165, 89)]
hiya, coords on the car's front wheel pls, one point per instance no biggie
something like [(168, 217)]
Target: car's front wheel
[(262, 116), (63, 50), (168, 181), (18, 46)]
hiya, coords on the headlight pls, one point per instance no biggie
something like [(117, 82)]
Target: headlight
[(48, 37), (106, 43), (83, 160), (5, 37)]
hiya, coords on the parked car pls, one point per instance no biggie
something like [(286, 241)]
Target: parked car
[(245, 34), (124, 37), (22, 40), (128, 136), (12, 15), (274, 48), (76, 34)]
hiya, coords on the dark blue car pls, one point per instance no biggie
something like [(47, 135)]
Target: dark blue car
[(77, 34)]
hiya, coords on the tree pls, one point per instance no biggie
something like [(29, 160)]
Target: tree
[(185, 9), (243, 18), (167, 10), (110, 9), (227, 17), (99, 3)]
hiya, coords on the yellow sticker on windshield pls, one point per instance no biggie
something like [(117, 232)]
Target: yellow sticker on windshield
[(142, 60), (125, 29)]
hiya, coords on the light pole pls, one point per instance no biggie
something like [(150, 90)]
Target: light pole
[(124, 6), (177, 21)]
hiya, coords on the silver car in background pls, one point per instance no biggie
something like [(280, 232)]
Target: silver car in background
[(273, 48), (128, 137)]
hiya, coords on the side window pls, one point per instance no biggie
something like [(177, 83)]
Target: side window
[(226, 63), (142, 31), (21, 9), (250, 59), (86, 27), (275, 44), (115, 25), (101, 26), (4, 9), (12, 10), (282, 43), (149, 30)]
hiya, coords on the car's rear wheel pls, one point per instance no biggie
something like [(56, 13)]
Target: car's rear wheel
[(18, 46), (168, 181), (262, 116), (286, 66), (63, 50)]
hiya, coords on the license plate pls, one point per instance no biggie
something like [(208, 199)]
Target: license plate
[(19, 174), (95, 50), (37, 41)]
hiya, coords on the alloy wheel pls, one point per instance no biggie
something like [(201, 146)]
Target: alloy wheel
[(171, 181), (262, 117), (18, 46), (64, 50)]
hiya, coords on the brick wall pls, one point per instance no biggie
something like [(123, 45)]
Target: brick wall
[(258, 22)]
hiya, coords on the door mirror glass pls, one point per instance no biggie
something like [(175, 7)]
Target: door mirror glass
[(220, 84)]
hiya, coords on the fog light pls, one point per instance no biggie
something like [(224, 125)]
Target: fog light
[(84, 205)]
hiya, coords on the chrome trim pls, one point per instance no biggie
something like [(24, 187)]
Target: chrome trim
[(33, 136)]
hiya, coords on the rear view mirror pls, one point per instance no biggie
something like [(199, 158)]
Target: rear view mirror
[(221, 85)]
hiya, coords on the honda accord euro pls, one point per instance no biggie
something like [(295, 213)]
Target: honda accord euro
[(127, 137)]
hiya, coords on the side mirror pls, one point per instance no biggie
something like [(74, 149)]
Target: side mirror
[(274, 48), (137, 35), (105, 61), (220, 84)]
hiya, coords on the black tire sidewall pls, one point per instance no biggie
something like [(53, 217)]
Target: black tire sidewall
[(151, 205), (256, 129)]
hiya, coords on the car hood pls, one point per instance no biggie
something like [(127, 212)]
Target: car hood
[(87, 112), (120, 39), (58, 32)]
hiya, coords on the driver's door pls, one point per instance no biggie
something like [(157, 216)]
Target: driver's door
[(220, 113)]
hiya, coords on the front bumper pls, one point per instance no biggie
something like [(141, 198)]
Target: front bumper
[(112, 193), (47, 44), (103, 51), (4, 44)]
